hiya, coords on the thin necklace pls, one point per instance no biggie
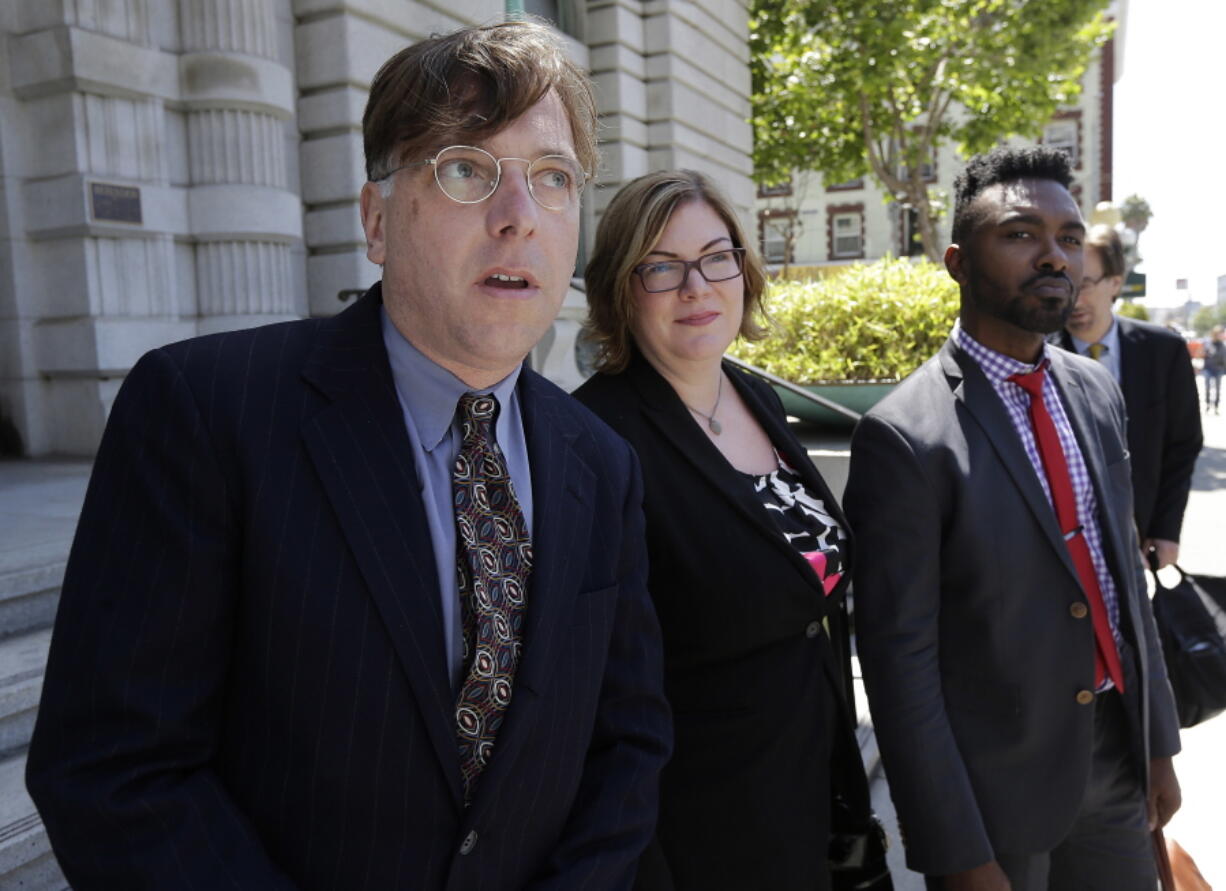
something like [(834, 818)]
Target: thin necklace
[(713, 425)]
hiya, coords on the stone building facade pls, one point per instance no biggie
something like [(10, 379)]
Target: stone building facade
[(177, 167)]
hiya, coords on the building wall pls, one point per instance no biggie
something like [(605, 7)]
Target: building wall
[(149, 173), (234, 128)]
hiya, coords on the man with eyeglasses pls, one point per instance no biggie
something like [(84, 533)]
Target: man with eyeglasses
[(360, 602), (1154, 371)]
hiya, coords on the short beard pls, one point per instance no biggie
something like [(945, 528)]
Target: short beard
[(1050, 315), (1040, 320)]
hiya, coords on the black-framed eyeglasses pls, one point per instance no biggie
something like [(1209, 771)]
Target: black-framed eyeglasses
[(1087, 282), (468, 175), (669, 275)]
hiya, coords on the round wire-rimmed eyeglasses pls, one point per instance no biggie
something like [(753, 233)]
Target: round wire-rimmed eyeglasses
[(468, 175), (669, 275)]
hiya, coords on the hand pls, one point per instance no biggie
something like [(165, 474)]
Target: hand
[(989, 877), (1164, 795), (1166, 551)]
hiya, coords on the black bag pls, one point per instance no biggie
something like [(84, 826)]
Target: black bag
[(857, 851), (1191, 619)]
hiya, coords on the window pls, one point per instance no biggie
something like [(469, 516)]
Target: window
[(565, 14), (847, 235), (857, 183), (845, 231), (927, 171), (775, 247), (776, 228), (1064, 133), (928, 168), (775, 191)]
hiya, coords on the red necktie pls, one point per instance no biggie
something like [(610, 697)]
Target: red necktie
[(1106, 656)]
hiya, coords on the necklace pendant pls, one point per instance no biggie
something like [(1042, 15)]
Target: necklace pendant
[(716, 427)]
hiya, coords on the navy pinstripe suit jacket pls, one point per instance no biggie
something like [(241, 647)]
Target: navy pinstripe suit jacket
[(247, 687)]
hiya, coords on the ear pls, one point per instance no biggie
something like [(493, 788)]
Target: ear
[(955, 261), (374, 208), (1117, 285)]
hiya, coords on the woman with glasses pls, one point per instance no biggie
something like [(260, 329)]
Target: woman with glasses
[(749, 552)]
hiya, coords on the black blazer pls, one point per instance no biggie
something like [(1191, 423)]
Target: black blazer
[(756, 687), (969, 620), (247, 686), (1164, 431)]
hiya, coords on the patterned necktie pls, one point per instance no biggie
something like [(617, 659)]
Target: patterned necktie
[(1106, 656), (493, 561), (1096, 350)]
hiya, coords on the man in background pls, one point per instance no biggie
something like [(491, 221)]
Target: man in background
[(1154, 371), (1214, 367), (361, 602)]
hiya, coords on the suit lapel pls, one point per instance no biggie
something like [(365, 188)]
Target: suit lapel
[(976, 395), (665, 411), (1134, 375), (362, 454)]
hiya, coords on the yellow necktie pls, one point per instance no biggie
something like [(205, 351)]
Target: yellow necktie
[(1096, 350)]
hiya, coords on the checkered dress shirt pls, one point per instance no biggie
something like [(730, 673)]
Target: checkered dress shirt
[(997, 367)]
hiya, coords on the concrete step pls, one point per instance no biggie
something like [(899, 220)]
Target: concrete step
[(22, 660), (39, 504), (26, 861), (29, 596)]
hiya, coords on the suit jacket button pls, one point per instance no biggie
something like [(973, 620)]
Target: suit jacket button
[(470, 842), (1085, 697), (813, 629), (1078, 610)]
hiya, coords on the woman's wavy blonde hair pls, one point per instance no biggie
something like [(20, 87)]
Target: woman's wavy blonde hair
[(632, 224)]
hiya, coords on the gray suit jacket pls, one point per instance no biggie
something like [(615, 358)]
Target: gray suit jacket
[(971, 654)]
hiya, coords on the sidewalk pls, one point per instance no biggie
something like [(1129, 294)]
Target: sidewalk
[(39, 503), (1201, 825)]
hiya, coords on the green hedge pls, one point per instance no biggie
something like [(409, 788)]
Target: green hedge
[(874, 322)]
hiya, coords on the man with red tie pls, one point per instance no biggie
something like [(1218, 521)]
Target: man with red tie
[(1016, 683)]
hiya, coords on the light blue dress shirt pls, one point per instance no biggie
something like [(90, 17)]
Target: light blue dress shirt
[(428, 396), (1111, 356)]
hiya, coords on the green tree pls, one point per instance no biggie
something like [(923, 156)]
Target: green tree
[(1136, 213), (1132, 310), (1207, 317), (855, 87)]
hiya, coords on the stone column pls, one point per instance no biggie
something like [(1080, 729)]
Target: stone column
[(92, 219), (243, 215), (147, 193)]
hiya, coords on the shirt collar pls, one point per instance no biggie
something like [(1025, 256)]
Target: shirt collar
[(429, 391), (997, 367), (1111, 340)]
